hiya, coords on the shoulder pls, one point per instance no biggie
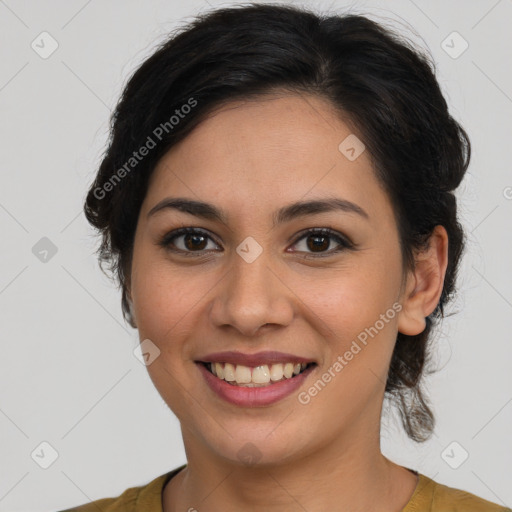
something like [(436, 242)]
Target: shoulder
[(124, 501), (147, 498), (432, 496)]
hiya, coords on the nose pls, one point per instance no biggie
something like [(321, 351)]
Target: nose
[(251, 296)]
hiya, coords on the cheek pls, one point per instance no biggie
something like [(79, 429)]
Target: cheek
[(166, 304), (349, 300), (354, 313), (163, 297)]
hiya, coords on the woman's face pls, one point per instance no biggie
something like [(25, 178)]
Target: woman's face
[(247, 285)]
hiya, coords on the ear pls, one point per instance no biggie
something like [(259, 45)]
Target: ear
[(425, 284)]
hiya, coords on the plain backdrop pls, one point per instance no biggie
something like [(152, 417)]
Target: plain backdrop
[(68, 374)]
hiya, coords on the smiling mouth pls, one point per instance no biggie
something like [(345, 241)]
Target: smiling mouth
[(258, 376)]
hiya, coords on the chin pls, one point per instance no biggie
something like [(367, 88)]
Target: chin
[(256, 448)]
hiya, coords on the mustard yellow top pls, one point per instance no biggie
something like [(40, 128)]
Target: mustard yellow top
[(429, 496)]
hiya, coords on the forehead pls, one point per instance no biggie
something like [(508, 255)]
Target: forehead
[(254, 153)]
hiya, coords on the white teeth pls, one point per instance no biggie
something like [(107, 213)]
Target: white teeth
[(219, 371), (229, 372), (288, 370), (261, 375), (276, 372), (242, 374), (257, 376)]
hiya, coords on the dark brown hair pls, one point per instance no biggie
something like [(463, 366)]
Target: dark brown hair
[(378, 81)]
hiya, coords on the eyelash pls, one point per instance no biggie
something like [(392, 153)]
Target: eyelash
[(166, 241)]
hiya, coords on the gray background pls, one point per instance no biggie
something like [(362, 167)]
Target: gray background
[(68, 375)]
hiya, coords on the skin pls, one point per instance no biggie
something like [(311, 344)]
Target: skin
[(250, 158)]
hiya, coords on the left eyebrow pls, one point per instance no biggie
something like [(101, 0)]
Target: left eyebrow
[(284, 214), (303, 208)]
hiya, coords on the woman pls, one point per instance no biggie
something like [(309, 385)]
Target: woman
[(277, 201)]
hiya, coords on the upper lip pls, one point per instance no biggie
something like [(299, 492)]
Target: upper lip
[(257, 359)]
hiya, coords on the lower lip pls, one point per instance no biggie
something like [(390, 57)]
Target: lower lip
[(257, 396)]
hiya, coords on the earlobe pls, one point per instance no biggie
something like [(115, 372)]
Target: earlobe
[(424, 285), (410, 319)]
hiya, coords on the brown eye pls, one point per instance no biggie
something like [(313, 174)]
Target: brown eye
[(194, 241), (320, 240), (186, 240)]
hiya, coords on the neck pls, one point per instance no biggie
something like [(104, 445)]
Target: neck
[(348, 474)]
